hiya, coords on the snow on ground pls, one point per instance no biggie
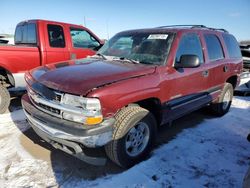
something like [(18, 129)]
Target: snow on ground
[(214, 153)]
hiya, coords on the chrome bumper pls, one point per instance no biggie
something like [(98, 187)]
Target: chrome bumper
[(88, 141), (68, 136)]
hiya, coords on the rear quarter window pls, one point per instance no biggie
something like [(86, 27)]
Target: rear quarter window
[(214, 47), (232, 46), (26, 34)]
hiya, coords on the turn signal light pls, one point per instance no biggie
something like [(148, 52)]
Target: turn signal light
[(93, 120)]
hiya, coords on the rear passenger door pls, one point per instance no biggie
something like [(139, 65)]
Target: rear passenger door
[(215, 61), (83, 43)]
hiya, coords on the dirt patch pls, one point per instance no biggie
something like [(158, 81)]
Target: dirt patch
[(37, 151)]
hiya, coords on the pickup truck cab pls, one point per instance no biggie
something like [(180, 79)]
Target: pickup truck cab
[(139, 80), (40, 42)]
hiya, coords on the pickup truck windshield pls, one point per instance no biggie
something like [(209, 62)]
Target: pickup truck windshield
[(146, 48)]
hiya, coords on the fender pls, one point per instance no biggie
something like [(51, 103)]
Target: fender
[(117, 95)]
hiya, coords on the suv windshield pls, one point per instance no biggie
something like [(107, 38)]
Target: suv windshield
[(147, 48)]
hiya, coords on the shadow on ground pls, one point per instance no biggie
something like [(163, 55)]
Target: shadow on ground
[(66, 167), (15, 101)]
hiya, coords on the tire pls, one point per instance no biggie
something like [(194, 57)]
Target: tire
[(4, 99), (224, 101), (133, 136)]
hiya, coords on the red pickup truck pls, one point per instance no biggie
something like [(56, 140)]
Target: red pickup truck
[(40, 42)]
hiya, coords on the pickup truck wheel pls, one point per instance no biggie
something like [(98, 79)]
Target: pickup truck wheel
[(4, 99), (224, 101), (133, 136)]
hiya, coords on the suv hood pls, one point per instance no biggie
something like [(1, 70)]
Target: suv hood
[(80, 76)]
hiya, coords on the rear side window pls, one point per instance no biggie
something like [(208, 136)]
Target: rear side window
[(56, 36), (232, 46), (214, 48), (82, 39), (26, 34), (189, 45)]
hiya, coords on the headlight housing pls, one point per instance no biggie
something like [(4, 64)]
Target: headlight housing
[(89, 109)]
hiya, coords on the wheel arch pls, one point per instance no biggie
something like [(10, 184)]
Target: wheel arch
[(233, 80), (153, 105), (6, 77)]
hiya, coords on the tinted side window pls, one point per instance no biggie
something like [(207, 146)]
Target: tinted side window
[(31, 33), (56, 36), (26, 34), (189, 45), (82, 39), (19, 34), (232, 46), (214, 48)]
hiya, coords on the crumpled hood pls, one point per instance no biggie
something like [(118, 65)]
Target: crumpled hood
[(80, 76)]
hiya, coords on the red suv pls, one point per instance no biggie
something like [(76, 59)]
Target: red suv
[(139, 80)]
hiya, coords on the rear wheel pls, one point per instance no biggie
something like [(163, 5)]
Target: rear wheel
[(222, 105), (4, 99), (134, 133)]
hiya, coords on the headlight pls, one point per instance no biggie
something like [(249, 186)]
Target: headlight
[(89, 108)]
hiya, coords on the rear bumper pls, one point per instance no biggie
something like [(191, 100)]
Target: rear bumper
[(68, 136)]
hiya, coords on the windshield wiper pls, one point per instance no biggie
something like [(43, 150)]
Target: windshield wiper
[(129, 60), (145, 62), (100, 55)]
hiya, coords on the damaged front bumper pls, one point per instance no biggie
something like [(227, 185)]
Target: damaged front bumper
[(68, 136)]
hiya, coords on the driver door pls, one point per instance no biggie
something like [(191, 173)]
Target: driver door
[(186, 87)]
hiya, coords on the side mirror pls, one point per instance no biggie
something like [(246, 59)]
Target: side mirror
[(188, 61), (103, 41)]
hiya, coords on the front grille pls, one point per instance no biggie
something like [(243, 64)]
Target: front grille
[(48, 108), (57, 97), (47, 95)]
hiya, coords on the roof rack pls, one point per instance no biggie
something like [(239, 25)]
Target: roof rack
[(193, 27)]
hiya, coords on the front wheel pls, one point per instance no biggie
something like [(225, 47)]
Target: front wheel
[(134, 134), (222, 105), (4, 99)]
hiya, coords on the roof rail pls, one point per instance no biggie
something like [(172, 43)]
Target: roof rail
[(166, 26), (194, 26), (217, 29)]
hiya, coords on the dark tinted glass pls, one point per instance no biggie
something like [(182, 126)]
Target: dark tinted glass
[(19, 34), (56, 36), (189, 45), (232, 46), (31, 36), (214, 48), (26, 34)]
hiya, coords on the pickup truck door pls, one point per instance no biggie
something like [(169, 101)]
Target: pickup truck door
[(185, 89), (83, 43), (56, 45)]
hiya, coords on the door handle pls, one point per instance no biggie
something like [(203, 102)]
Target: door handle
[(72, 56), (205, 73), (225, 68)]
